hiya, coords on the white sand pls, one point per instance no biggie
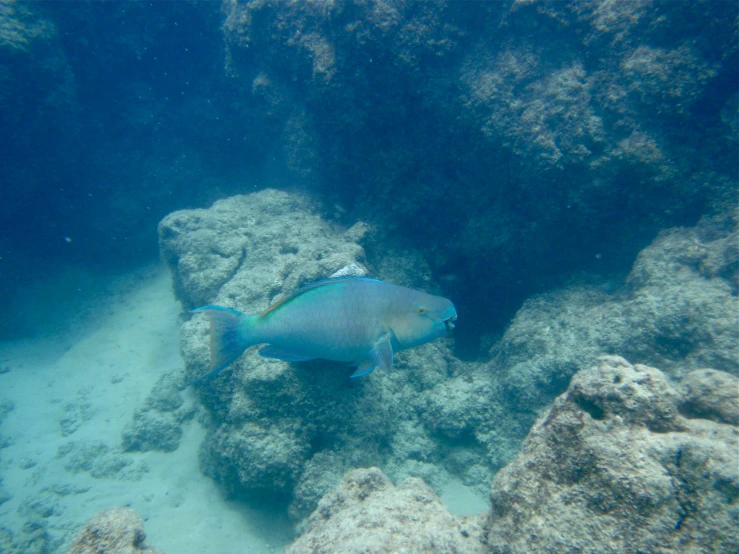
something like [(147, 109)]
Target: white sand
[(462, 500), (107, 361), (132, 337)]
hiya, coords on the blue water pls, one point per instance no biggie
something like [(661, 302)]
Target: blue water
[(498, 150)]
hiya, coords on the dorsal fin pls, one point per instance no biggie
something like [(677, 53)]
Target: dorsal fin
[(315, 285)]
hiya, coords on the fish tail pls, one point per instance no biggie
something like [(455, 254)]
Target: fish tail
[(229, 337)]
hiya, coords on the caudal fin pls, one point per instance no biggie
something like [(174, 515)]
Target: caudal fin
[(227, 338)]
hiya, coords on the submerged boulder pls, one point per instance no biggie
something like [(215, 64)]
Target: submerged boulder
[(157, 425), (622, 462), (247, 250), (527, 136), (615, 465), (292, 430), (118, 530), (676, 310), (366, 513)]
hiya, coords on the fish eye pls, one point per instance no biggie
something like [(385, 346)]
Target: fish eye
[(421, 310)]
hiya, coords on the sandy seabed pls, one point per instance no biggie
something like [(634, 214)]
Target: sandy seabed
[(108, 368), (97, 369)]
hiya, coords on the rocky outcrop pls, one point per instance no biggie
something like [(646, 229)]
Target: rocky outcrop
[(118, 530), (261, 246), (622, 462), (510, 141), (277, 426), (621, 453), (710, 394), (619, 464), (157, 425), (676, 310), (366, 513), (292, 430)]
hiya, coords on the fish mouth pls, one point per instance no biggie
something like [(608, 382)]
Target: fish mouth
[(449, 323)]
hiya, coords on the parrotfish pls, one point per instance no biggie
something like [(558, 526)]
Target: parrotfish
[(358, 320)]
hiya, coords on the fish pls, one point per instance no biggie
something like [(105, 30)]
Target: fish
[(359, 320)]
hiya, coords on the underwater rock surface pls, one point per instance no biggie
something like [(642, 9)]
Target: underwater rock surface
[(617, 464), (677, 310), (620, 463), (158, 424), (250, 249), (118, 530), (290, 431), (366, 513), (568, 130)]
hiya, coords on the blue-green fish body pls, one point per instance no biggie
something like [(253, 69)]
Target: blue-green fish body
[(358, 320)]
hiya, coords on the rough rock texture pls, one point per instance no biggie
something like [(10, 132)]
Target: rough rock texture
[(678, 310), (292, 430), (150, 431), (513, 141), (100, 460), (158, 424), (613, 466), (118, 530), (710, 394), (366, 513), (276, 232)]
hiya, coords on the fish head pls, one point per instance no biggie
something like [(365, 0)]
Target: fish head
[(422, 318)]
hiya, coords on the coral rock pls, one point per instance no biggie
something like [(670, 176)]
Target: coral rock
[(366, 513), (710, 394), (613, 466), (118, 530)]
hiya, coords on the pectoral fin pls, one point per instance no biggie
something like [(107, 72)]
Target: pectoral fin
[(382, 353), (364, 368)]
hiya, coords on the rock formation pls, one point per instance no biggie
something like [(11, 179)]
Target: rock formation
[(623, 462), (366, 513), (118, 530)]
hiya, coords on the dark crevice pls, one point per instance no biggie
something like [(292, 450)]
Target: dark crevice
[(680, 486), (595, 411), (242, 259)]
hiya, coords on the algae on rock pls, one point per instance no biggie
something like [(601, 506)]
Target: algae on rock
[(613, 466), (118, 530), (276, 423), (366, 513)]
